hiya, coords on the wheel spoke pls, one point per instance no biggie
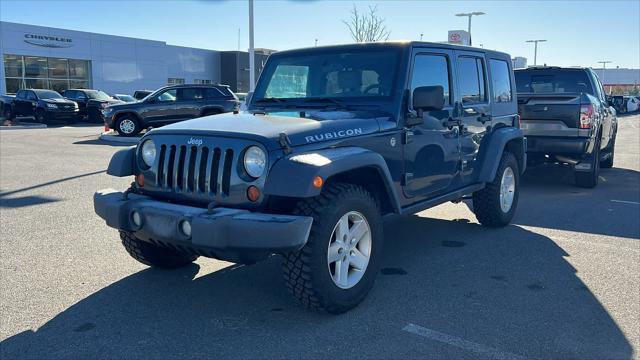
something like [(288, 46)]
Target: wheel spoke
[(342, 272), (358, 260), (343, 228), (334, 255), (358, 230)]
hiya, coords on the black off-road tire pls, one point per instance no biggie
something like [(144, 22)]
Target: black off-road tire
[(41, 116), (306, 272), (135, 121), (611, 151), (589, 179), (153, 255), (486, 202)]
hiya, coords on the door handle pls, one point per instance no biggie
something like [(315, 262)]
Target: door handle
[(483, 118)]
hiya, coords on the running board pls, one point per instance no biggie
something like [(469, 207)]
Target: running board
[(429, 203)]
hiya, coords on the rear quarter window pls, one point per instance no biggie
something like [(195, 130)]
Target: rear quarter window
[(501, 80)]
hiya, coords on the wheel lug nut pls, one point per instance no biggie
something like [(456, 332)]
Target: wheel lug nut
[(353, 253)]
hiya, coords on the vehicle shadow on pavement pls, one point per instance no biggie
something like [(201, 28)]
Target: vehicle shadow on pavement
[(509, 289), (549, 189)]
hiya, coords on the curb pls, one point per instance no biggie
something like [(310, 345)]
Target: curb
[(24, 125), (112, 137)]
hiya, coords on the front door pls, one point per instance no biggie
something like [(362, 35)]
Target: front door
[(163, 108), (476, 111), (431, 149)]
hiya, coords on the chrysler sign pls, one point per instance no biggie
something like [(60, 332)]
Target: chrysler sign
[(49, 41)]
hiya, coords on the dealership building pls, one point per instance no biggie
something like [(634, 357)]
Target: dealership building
[(51, 58)]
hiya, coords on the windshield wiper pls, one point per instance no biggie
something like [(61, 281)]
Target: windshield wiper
[(325, 100), (270, 100)]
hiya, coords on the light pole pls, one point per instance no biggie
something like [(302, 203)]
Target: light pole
[(252, 60), (470, 15), (535, 51), (604, 66), (421, 37)]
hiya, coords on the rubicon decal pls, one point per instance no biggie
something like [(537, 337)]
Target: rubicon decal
[(50, 41), (333, 135)]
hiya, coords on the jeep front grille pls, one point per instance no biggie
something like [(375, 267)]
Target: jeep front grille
[(192, 169)]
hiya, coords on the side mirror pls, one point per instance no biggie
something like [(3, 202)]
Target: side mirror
[(428, 98)]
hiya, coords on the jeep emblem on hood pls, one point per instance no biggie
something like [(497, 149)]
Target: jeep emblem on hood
[(194, 141)]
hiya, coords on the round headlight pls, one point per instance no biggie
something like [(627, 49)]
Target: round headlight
[(255, 161), (148, 152)]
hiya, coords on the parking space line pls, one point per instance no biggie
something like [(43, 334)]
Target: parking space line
[(460, 343), (626, 202)]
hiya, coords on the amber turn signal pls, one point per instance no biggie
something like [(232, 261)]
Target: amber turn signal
[(253, 193), (317, 182), (140, 180)]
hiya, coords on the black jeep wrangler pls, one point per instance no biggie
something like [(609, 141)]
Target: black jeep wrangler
[(334, 139)]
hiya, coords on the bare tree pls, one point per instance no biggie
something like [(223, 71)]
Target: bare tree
[(367, 27)]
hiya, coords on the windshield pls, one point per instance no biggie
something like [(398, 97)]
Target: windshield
[(97, 95), (48, 94), (553, 81), (337, 75)]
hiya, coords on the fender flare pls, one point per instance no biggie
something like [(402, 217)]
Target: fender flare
[(496, 143), (122, 163), (292, 176)]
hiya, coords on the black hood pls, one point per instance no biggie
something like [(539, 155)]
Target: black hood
[(316, 126), (60, 101)]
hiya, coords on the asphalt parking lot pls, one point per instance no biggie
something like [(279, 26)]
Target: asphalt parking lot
[(563, 281)]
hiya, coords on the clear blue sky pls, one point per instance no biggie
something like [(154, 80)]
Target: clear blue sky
[(578, 32)]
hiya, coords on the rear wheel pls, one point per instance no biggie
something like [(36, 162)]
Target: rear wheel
[(337, 267), (611, 151), (127, 125), (153, 255), (496, 204), (589, 179)]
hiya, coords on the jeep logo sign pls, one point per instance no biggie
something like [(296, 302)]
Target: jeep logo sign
[(194, 141), (48, 41)]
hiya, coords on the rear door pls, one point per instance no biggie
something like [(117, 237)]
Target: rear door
[(189, 103), (472, 94)]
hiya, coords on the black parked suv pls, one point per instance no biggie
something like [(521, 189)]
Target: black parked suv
[(168, 105), (91, 102), (43, 105), (334, 139), (566, 117)]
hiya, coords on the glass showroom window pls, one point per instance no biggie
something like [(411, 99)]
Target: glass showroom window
[(25, 72)]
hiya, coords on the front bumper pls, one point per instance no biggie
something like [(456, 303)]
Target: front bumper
[(228, 234), (62, 113)]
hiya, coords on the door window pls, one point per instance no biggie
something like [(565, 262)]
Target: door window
[(167, 96), (472, 74), (501, 80), (21, 94), (31, 96), (432, 70), (190, 94)]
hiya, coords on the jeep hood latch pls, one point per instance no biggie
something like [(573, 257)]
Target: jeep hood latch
[(285, 143)]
